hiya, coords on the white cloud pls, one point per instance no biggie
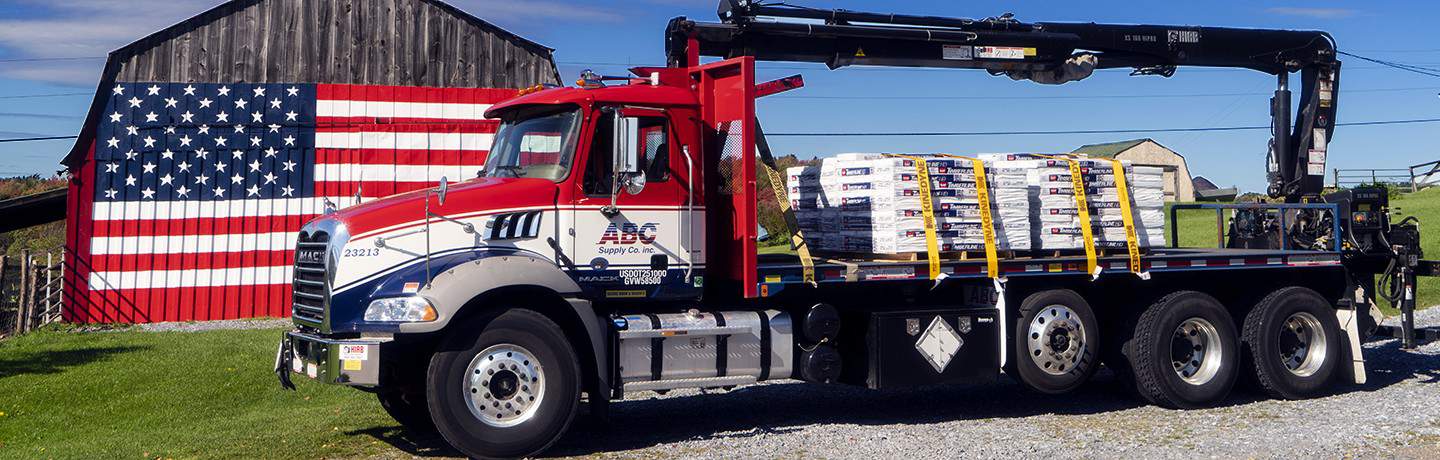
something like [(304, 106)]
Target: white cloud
[(80, 28), (1319, 13), (515, 12)]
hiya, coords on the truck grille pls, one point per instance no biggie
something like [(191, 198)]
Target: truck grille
[(311, 287)]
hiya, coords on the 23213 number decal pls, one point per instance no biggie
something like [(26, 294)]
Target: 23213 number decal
[(361, 252)]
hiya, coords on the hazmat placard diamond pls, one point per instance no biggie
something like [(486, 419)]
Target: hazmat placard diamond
[(939, 344)]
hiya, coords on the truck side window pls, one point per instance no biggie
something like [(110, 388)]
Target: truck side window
[(654, 151), (600, 169)]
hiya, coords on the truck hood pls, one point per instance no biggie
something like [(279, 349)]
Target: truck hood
[(469, 198)]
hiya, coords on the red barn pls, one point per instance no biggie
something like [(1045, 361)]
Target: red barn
[(211, 142)]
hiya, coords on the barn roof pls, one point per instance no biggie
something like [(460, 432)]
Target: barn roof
[(1110, 149), (116, 59)]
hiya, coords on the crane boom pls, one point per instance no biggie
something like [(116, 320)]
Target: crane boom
[(1046, 53)]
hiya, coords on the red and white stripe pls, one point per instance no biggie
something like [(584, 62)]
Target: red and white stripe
[(148, 261)]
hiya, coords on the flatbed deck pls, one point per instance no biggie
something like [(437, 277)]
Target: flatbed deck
[(778, 271)]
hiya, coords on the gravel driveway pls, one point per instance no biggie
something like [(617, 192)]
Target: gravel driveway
[(1395, 414)]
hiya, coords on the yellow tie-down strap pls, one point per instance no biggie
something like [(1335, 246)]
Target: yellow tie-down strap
[(1082, 212), (927, 212), (1122, 189), (797, 240), (987, 223)]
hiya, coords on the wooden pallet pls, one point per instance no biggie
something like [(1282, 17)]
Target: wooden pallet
[(913, 256), (970, 255)]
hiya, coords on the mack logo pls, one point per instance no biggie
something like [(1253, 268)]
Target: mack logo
[(630, 233), (311, 256)]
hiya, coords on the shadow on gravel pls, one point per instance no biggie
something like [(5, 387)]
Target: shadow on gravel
[(771, 409), (1387, 364), (783, 408)]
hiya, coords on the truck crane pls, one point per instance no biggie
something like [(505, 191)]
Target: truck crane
[(609, 246)]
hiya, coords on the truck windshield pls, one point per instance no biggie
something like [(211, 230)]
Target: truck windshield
[(539, 146)]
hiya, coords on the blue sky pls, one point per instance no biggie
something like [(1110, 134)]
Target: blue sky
[(600, 34)]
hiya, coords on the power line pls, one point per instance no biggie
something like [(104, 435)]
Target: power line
[(1097, 96), (988, 133), (45, 138), (1082, 131), (1406, 67), (51, 59), (861, 68), (31, 96)]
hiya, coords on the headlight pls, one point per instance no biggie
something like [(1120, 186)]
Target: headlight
[(401, 310)]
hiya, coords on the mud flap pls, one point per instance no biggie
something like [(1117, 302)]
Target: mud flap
[(1349, 322)]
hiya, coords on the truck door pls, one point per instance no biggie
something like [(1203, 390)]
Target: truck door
[(637, 243)]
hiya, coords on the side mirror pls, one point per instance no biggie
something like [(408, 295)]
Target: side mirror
[(628, 173), (627, 144), (444, 187)]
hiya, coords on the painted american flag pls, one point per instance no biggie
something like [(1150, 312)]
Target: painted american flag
[(199, 188)]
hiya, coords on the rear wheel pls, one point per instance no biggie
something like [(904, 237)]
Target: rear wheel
[(1184, 351), (1293, 343), (1057, 344), (510, 391)]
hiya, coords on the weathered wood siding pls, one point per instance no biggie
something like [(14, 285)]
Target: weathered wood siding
[(375, 42), (1178, 185)]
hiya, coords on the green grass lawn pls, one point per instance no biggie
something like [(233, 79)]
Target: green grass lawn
[(138, 394), (1424, 205)]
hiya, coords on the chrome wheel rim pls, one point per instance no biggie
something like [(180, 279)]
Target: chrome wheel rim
[(504, 385), (1302, 344), (1056, 340), (1195, 351)]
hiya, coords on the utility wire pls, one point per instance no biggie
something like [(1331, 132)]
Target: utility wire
[(1406, 67), (50, 59), (988, 133), (1081, 131), (1097, 96), (30, 96), (29, 139)]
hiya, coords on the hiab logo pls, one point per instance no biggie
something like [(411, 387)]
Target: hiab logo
[(630, 233)]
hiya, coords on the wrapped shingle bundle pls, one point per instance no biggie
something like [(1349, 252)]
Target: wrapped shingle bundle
[(871, 203), (1057, 222)]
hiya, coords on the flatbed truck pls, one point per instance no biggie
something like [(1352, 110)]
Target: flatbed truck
[(609, 246)]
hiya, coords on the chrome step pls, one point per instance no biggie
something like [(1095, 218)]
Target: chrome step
[(687, 332), (703, 382)]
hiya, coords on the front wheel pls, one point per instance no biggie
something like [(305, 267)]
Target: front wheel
[(1057, 342), (408, 408), (509, 391)]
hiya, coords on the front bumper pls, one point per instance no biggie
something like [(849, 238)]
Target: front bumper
[(353, 362)]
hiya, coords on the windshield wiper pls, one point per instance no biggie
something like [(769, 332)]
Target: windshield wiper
[(515, 170)]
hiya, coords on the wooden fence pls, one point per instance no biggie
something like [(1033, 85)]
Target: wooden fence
[(31, 286)]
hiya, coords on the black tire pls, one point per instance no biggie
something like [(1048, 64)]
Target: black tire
[(1164, 329), (408, 408), (1068, 350), (1268, 333), (526, 334)]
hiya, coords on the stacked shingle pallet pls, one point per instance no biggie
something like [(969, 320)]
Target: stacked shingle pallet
[(871, 203), (1057, 221), (1059, 226)]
